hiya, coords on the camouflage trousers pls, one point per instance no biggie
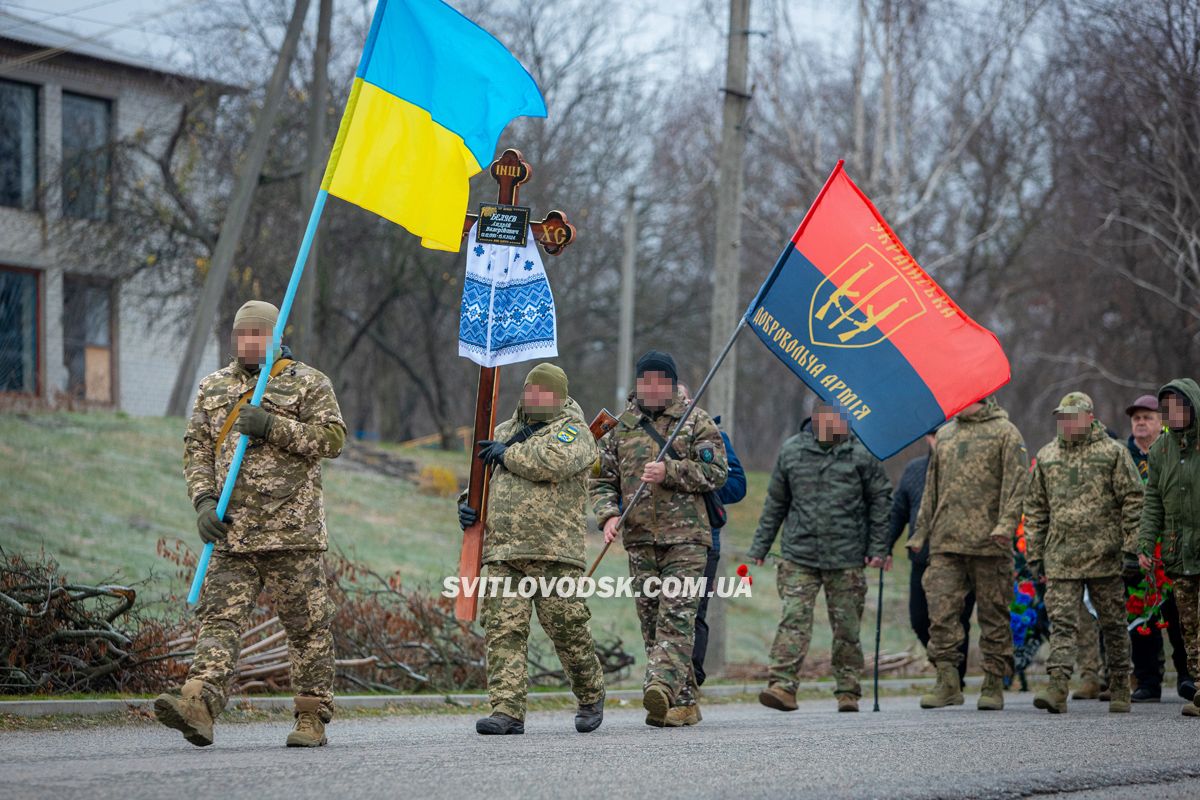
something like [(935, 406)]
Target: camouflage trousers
[(668, 623), (948, 580), (1087, 645), (506, 626), (1064, 607), (1187, 600), (295, 583), (845, 592)]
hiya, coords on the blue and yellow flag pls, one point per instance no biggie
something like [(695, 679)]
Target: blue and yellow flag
[(431, 96)]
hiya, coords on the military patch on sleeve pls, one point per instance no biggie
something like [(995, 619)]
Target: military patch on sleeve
[(567, 434), (707, 454)]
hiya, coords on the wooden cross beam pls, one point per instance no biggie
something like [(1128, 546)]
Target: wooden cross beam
[(553, 233)]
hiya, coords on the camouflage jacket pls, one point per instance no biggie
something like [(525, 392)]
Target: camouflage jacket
[(1172, 507), (672, 512), (277, 500), (1082, 507), (833, 504), (537, 500), (974, 485)]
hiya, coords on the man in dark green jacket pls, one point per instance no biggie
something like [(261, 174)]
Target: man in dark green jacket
[(832, 498), (1172, 511)]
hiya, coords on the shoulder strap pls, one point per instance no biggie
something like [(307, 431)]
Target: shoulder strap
[(645, 425), (277, 368), (524, 433)]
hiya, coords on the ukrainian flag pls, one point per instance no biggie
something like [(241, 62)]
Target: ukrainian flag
[(432, 94)]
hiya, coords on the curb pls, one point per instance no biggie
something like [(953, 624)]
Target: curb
[(43, 708)]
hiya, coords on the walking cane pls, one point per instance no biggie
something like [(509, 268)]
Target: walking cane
[(878, 628)]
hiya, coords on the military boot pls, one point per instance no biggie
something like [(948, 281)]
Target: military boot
[(499, 725), (1054, 697), (1120, 695), (309, 730), (946, 692), (1191, 710), (656, 699), (778, 698), (1089, 689), (847, 702), (590, 715), (681, 716), (189, 713), (991, 696)]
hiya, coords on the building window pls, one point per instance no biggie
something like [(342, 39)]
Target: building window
[(86, 136), (87, 338), (18, 331), (18, 145)]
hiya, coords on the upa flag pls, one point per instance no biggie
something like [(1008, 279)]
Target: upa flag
[(432, 94), (853, 315), (507, 312)]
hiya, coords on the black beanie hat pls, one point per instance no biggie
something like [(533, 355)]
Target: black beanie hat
[(657, 361)]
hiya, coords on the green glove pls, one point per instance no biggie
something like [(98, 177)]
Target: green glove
[(212, 528), (254, 422)]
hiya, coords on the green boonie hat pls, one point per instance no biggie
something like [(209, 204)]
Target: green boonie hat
[(1075, 403), (257, 312)]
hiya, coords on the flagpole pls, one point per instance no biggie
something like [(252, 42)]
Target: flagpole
[(264, 373)]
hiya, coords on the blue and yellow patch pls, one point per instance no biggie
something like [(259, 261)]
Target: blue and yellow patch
[(567, 434)]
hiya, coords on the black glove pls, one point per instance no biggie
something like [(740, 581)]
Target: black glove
[(1130, 569), (492, 452), (212, 528), (254, 422), (467, 516)]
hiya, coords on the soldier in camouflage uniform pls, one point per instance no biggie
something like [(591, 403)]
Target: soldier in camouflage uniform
[(273, 533), (1081, 513), (667, 534), (1172, 511), (974, 485), (833, 499), (536, 523)]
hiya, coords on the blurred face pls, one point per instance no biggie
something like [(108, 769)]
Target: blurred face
[(542, 402), (654, 390), (1073, 427), (829, 424), (1145, 424), (1176, 412), (971, 409), (250, 343)]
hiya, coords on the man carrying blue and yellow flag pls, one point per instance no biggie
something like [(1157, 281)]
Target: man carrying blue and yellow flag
[(432, 94)]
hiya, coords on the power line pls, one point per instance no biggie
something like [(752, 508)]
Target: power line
[(49, 17)]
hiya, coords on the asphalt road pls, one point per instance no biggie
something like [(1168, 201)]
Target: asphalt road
[(738, 750)]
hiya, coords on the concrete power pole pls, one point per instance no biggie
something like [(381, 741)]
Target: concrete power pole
[(304, 336), (727, 269), (625, 335), (235, 219)]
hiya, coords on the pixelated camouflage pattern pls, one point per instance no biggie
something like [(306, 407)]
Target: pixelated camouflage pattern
[(974, 485), (1087, 644), (296, 584), (833, 504), (277, 501), (1187, 600), (947, 581), (1082, 507), (1064, 606), (672, 512), (668, 623), (845, 593), (537, 502), (1172, 505), (565, 620)]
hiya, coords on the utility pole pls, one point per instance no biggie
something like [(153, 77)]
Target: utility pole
[(727, 269), (625, 335), (235, 219), (304, 335)]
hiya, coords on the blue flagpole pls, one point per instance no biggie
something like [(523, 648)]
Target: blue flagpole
[(264, 374)]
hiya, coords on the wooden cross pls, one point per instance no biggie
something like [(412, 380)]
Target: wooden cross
[(553, 233)]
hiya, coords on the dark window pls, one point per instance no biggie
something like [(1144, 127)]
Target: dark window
[(18, 331), (18, 145), (86, 134), (87, 338)]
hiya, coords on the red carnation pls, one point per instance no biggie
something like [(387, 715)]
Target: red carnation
[(1026, 588), (1158, 551), (1143, 630), (1162, 624), (1135, 605), (1153, 599), (743, 570)]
